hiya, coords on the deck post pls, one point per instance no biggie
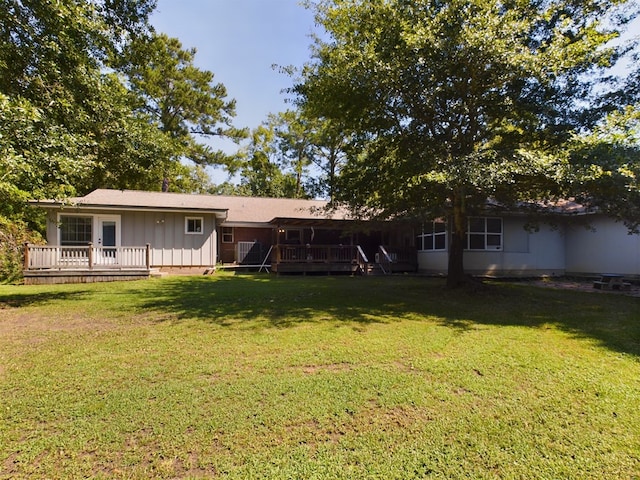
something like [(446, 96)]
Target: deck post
[(147, 258), (25, 264), (90, 255)]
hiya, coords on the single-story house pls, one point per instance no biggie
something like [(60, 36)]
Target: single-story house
[(111, 234), (578, 243)]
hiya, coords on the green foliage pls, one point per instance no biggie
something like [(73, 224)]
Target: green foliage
[(13, 235), (252, 376), (292, 155), (452, 103), (38, 157), (180, 98), (91, 98), (606, 167), (276, 160)]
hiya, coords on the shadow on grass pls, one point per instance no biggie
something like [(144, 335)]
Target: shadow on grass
[(27, 297), (612, 320)]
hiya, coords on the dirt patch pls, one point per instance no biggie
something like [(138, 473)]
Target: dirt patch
[(582, 285)]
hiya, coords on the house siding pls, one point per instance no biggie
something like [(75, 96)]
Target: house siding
[(599, 245), (523, 254), (163, 231), (228, 251), (170, 245)]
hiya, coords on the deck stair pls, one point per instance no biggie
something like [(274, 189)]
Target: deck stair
[(375, 269)]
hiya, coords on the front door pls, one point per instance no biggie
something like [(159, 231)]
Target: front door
[(108, 239)]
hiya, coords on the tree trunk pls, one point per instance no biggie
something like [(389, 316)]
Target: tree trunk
[(455, 271)]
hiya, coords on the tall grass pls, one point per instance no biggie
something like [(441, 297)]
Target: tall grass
[(317, 377)]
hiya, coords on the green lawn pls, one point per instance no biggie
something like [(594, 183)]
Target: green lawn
[(317, 377)]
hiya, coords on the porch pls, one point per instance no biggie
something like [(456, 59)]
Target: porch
[(335, 259), (318, 259), (44, 264)]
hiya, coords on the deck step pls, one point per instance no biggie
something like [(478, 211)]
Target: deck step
[(374, 269)]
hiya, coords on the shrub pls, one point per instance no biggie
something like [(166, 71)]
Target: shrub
[(13, 235)]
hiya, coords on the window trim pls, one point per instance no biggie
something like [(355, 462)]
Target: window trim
[(75, 215), (296, 238), (229, 233), (193, 232), (485, 234), (432, 236)]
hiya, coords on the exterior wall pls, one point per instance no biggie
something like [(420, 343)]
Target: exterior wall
[(602, 246), (523, 254), (163, 231), (170, 245), (228, 250)]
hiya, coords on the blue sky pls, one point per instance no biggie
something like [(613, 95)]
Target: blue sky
[(239, 41)]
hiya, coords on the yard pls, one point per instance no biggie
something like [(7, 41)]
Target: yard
[(255, 376)]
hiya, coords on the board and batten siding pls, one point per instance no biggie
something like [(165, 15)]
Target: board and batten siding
[(524, 253), (601, 245), (163, 231), (171, 246)]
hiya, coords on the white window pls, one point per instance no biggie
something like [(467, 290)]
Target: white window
[(193, 225), (484, 233), (75, 230), (433, 236), (227, 234)]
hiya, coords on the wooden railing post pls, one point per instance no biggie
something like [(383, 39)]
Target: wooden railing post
[(26, 256), (90, 255), (147, 258)]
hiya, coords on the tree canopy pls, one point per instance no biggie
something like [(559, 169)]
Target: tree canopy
[(452, 103), (91, 96)]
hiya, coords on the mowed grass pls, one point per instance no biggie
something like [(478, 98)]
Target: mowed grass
[(317, 377)]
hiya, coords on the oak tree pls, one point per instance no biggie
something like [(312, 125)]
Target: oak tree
[(455, 102)]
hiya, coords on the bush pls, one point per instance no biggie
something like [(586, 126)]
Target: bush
[(13, 235)]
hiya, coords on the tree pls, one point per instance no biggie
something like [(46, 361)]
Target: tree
[(70, 119), (263, 171), (61, 108), (452, 103), (294, 156), (180, 98), (606, 167)]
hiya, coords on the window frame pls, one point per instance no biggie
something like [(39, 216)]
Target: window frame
[(75, 243), (225, 233), (290, 237), (188, 219), (435, 236), (486, 235)]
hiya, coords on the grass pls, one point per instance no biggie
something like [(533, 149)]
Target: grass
[(317, 377)]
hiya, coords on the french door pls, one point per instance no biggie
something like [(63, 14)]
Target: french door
[(108, 239)]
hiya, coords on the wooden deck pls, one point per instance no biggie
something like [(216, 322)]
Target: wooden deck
[(87, 264), (45, 264), (329, 259)]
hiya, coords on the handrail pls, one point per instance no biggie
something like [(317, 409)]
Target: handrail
[(383, 259), (315, 253), (38, 257), (362, 260), (384, 252), (362, 255)]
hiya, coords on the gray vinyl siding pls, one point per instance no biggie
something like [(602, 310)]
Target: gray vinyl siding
[(170, 245), (599, 245), (523, 253), (163, 231)]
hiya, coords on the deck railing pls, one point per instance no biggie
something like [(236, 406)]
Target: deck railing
[(327, 254), (316, 253), (389, 257), (40, 257)]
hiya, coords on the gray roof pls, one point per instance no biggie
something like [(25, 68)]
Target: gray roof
[(236, 209)]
